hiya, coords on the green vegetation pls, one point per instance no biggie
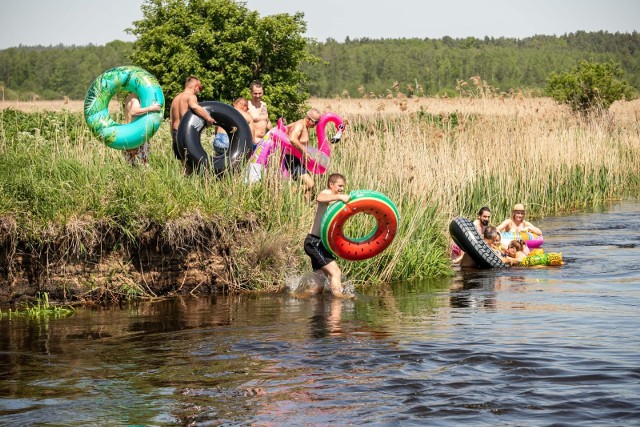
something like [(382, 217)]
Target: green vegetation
[(416, 67), (72, 199), (234, 53), (590, 87), (31, 73), (66, 198), (40, 308), (226, 46)]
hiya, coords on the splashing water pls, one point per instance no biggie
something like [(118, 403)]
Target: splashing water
[(315, 282)]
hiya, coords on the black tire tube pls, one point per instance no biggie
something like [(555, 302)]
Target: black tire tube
[(464, 233), (227, 117)]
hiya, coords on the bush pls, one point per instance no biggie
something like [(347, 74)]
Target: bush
[(591, 87)]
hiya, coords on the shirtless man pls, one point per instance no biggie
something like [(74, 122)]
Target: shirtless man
[(258, 112), (481, 223), (221, 140), (185, 101), (483, 219), (299, 137), (321, 257)]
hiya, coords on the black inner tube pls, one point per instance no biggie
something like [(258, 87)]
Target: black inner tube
[(227, 117), (464, 233)]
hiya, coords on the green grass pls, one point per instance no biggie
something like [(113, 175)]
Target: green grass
[(39, 308), (67, 194)]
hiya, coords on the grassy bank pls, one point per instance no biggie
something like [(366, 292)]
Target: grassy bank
[(66, 198)]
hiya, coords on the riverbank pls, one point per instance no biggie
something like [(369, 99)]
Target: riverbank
[(79, 223)]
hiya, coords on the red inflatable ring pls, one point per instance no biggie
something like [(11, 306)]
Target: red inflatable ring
[(362, 201)]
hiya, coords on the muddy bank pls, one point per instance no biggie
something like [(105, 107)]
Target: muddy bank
[(96, 263)]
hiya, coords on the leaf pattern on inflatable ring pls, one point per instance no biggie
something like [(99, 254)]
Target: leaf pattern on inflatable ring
[(104, 88), (91, 98), (109, 136)]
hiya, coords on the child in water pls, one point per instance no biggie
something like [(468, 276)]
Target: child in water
[(515, 252), (492, 237)]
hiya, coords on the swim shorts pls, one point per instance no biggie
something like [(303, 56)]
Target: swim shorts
[(294, 166), (221, 143), (174, 145), (319, 255)]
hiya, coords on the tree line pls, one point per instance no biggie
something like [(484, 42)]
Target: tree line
[(54, 72), (365, 67), (354, 68)]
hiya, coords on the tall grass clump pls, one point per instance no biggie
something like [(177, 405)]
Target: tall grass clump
[(39, 308), (495, 153), (68, 197)]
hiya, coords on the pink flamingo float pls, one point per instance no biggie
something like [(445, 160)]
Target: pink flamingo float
[(317, 159)]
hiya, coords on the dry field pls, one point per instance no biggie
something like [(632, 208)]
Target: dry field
[(57, 105), (367, 107), (539, 107)]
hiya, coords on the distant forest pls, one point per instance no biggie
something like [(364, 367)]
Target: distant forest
[(357, 68)]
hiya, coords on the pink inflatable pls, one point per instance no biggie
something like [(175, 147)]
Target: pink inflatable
[(317, 158)]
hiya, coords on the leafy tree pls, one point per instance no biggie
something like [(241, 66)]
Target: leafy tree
[(591, 87), (227, 47)]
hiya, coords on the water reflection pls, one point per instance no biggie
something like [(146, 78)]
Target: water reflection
[(473, 288), (327, 316), (505, 347)]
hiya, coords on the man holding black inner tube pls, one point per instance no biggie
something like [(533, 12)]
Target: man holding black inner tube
[(185, 101)]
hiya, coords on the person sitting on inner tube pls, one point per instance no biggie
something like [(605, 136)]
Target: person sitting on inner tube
[(518, 224), (489, 237), (492, 237)]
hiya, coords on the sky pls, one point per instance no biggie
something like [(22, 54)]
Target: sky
[(82, 22)]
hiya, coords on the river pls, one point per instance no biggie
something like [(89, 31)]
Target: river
[(544, 346)]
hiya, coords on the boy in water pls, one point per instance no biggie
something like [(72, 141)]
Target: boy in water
[(321, 257)]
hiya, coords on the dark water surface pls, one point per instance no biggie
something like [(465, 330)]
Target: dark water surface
[(541, 346)]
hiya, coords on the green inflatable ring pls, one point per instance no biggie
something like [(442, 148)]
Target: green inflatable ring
[(362, 201), (96, 107)]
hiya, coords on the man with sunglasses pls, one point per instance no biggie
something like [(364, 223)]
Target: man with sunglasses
[(185, 101), (299, 137)]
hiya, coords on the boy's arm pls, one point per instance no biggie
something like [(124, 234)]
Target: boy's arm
[(327, 196)]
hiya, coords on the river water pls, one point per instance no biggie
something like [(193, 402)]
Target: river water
[(558, 345)]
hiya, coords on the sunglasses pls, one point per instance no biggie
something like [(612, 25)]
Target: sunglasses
[(314, 121)]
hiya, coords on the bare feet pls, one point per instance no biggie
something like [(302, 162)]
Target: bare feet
[(339, 293)]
